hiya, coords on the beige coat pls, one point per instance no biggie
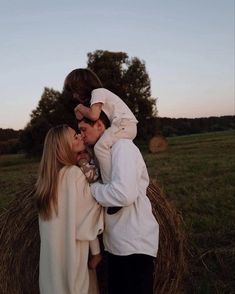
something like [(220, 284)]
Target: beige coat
[(65, 239)]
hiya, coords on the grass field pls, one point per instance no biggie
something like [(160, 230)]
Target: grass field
[(197, 173)]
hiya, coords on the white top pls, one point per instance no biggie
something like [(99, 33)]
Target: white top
[(112, 105), (133, 229), (65, 239)]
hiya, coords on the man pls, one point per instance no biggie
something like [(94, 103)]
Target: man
[(131, 234)]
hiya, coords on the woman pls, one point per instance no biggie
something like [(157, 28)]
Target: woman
[(69, 217)]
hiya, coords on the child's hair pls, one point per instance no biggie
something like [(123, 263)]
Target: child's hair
[(57, 153), (82, 81)]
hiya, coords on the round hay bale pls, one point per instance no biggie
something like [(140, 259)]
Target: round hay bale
[(170, 266), (20, 246), (158, 144)]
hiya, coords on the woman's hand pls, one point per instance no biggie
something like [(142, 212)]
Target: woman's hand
[(94, 261)]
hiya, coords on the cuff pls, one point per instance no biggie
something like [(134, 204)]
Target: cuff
[(94, 246)]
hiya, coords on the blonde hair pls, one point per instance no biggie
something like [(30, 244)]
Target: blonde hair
[(57, 153)]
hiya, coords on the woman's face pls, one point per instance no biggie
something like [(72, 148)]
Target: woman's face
[(76, 140)]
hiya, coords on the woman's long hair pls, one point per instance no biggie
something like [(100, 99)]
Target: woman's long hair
[(82, 81), (57, 153)]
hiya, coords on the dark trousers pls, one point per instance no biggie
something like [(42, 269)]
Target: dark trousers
[(131, 274)]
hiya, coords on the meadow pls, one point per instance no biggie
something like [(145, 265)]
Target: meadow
[(197, 174)]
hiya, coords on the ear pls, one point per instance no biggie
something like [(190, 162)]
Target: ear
[(100, 125)]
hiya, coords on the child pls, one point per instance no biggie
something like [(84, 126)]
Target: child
[(87, 88)]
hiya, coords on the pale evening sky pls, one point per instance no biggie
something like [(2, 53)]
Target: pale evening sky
[(187, 46)]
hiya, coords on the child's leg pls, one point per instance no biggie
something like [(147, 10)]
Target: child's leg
[(103, 154), (102, 147), (125, 130)]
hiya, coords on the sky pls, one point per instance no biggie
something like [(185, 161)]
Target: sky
[(187, 47)]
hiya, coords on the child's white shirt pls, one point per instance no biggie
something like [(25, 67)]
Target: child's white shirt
[(112, 105)]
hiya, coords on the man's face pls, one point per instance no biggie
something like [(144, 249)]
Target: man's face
[(91, 134)]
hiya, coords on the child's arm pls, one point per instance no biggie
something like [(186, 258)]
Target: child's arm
[(93, 112), (95, 254)]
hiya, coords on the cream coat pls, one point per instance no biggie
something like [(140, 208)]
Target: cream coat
[(65, 239)]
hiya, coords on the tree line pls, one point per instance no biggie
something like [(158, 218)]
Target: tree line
[(126, 77), (10, 140), (186, 126)]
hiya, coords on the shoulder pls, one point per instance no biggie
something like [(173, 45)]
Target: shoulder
[(124, 142), (99, 91), (72, 171), (124, 145), (126, 156), (71, 177), (102, 92)]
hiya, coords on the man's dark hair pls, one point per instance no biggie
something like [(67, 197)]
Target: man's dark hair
[(103, 117)]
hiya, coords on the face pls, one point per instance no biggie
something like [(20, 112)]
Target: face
[(76, 140), (91, 134)]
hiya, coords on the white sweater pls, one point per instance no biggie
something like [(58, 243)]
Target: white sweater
[(112, 105), (133, 229), (63, 267)]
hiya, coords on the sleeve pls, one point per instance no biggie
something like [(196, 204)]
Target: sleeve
[(94, 246), (90, 171), (98, 96), (89, 214), (123, 189)]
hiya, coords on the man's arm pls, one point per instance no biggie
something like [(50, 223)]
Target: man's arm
[(123, 187)]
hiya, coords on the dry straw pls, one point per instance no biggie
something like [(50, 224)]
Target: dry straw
[(20, 243), (157, 144)]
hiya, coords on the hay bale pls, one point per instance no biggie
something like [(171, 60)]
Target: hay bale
[(20, 245), (170, 267), (158, 144)]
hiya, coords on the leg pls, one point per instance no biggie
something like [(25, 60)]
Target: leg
[(104, 144), (130, 274), (144, 269), (118, 274), (103, 154)]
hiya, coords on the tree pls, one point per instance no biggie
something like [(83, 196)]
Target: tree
[(129, 80), (124, 76), (53, 109)]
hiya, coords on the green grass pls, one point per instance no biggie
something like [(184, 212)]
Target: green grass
[(197, 173), (15, 172)]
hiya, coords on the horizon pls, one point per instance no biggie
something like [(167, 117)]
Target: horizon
[(189, 118)]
